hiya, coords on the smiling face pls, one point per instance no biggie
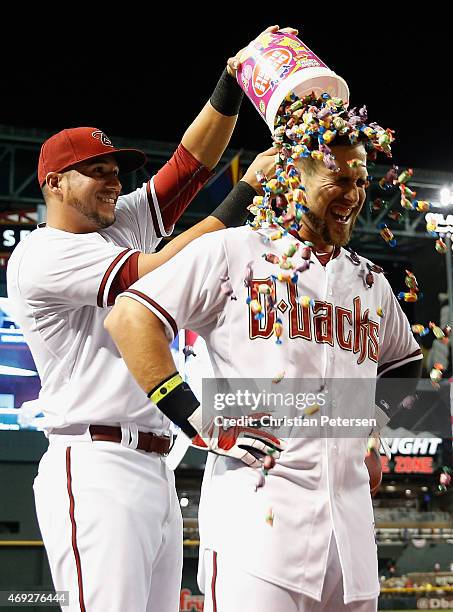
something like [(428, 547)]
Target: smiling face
[(92, 189), (334, 198)]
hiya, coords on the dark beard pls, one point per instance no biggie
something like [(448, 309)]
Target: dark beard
[(98, 220), (320, 227)]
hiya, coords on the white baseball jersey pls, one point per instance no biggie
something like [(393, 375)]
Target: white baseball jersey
[(58, 286), (320, 487)]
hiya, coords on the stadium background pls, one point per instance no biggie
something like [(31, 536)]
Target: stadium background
[(143, 88)]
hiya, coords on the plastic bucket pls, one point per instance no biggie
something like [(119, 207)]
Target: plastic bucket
[(275, 64)]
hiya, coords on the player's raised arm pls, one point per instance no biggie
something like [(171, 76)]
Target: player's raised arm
[(232, 212), (176, 184), (208, 136)]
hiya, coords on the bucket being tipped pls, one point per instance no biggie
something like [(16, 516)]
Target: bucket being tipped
[(276, 64)]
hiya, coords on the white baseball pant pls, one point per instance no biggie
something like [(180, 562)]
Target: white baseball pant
[(229, 589), (111, 524)]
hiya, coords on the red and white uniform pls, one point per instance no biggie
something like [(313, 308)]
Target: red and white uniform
[(319, 490), (105, 509)]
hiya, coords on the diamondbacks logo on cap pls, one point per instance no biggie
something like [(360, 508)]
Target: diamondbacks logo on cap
[(102, 137)]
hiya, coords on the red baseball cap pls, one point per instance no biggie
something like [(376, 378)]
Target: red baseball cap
[(68, 147)]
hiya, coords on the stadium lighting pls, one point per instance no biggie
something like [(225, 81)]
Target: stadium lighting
[(446, 196), (11, 371), (424, 489), (408, 492)]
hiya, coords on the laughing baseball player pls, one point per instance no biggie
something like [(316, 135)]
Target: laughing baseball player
[(298, 304), (105, 500)]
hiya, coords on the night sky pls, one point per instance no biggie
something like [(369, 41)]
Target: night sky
[(147, 77), (140, 75)]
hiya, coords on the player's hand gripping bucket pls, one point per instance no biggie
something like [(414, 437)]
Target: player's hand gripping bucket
[(275, 64)]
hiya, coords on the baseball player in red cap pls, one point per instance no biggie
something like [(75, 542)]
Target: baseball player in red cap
[(106, 502)]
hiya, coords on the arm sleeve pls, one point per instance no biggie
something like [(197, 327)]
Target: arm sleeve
[(397, 345), (74, 270), (186, 291), (146, 215), (175, 185)]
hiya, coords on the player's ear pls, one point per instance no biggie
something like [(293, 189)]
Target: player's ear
[(306, 168), (53, 182)]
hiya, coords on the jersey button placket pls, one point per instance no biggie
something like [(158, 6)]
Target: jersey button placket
[(330, 279), (325, 365)]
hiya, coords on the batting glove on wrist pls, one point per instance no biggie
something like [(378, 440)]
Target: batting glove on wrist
[(240, 442)]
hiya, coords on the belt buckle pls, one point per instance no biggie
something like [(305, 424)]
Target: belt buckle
[(171, 437)]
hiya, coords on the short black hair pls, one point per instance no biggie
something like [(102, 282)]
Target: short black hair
[(44, 191)]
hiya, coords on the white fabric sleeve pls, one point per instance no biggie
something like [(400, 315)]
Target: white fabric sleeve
[(138, 223), (397, 345), (70, 270), (186, 291)]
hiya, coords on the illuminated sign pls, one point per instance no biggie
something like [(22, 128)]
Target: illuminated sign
[(10, 235), (444, 224), (9, 339), (408, 465), (189, 602), (409, 455), (435, 603), (412, 446)]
